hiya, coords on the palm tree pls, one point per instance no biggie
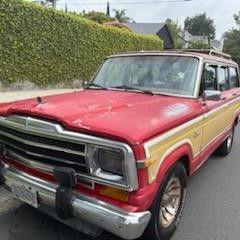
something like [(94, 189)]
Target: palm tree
[(120, 15)]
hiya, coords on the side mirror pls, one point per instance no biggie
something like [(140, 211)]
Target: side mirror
[(211, 95)]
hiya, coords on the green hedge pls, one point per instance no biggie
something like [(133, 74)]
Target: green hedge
[(46, 46)]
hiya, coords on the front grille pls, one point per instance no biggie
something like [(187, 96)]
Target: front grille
[(23, 145)]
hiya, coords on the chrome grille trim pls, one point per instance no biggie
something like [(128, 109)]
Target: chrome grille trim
[(34, 164), (40, 151), (41, 144), (58, 134), (42, 155), (51, 130)]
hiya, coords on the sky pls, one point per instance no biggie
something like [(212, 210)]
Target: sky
[(221, 11)]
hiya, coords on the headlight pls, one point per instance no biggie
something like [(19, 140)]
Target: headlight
[(111, 161), (113, 166)]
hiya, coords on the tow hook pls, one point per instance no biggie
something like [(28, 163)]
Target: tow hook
[(64, 193)]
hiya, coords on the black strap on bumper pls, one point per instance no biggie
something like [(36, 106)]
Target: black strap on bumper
[(66, 179)]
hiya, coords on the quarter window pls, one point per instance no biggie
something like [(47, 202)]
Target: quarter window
[(234, 82)]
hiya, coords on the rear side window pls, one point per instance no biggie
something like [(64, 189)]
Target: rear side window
[(209, 77), (233, 74), (223, 78)]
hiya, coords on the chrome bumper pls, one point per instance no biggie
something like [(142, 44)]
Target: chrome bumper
[(124, 224)]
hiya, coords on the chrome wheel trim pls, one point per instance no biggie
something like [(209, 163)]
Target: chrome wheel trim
[(229, 140), (171, 202)]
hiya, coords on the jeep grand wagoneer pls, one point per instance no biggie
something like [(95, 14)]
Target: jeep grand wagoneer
[(116, 155)]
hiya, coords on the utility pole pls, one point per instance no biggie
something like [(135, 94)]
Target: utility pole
[(66, 7), (108, 9), (54, 3)]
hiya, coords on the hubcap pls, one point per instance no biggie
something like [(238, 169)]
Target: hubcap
[(170, 202), (229, 140)]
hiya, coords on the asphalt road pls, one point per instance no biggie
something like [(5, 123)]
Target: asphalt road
[(212, 210)]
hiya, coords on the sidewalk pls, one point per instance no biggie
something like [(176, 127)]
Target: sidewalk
[(19, 95)]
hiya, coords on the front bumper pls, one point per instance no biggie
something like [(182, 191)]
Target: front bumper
[(127, 225)]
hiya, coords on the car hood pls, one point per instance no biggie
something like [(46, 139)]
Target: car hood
[(126, 116)]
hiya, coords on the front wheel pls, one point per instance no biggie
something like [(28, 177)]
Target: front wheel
[(225, 148), (168, 206)]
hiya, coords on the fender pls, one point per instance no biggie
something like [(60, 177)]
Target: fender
[(177, 152), (180, 152), (173, 153)]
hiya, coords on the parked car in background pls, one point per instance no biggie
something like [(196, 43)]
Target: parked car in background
[(117, 154)]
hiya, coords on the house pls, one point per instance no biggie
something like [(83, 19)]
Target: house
[(188, 38), (160, 29), (217, 45)]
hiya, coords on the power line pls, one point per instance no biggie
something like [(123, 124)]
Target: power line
[(132, 3)]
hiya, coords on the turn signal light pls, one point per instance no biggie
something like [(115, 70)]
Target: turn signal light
[(115, 193)]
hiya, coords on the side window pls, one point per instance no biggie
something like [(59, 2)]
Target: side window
[(209, 80), (234, 81), (223, 78)]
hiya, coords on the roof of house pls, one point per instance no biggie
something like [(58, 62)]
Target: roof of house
[(188, 37), (145, 28), (117, 24)]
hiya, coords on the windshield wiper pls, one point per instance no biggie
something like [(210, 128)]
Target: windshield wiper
[(134, 89), (97, 86)]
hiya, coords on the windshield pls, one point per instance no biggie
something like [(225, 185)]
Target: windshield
[(163, 74)]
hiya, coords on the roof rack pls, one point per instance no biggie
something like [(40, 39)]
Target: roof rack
[(211, 52)]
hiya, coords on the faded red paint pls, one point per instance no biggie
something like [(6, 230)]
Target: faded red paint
[(126, 116)]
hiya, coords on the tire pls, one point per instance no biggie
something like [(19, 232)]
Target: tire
[(225, 148), (159, 228)]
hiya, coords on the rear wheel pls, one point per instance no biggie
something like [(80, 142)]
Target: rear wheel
[(167, 208), (225, 148)]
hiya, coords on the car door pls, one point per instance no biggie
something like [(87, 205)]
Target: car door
[(232, 94), (214, 112)]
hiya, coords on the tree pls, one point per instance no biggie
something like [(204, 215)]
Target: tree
[(237, 19), (120, 15), (232, 40), (176, 32), (200, 25), (99, 17)]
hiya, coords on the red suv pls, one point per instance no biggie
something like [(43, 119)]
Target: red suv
[(116, 155)]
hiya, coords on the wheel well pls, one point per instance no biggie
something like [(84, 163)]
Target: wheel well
[(186, 163), (236, 121)]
